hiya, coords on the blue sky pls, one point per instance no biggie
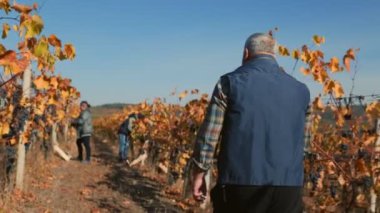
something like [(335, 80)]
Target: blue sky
[(129, 51)]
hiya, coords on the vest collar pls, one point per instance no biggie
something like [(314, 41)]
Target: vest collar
[(262, 56)]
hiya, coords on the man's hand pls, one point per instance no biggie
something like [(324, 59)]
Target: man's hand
[(199, 185)]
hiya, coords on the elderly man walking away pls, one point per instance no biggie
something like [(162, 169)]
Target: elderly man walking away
[(83, 125), (258, 111)]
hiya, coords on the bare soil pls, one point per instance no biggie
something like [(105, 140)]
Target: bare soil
[(103, 185)]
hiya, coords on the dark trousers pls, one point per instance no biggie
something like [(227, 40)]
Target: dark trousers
[(256, 199), (86, 142)]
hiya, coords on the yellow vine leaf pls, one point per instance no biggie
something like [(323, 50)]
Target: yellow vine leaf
[(8, 57), (50, 62), (182, 95), (339, 116), (13, 141), (41, 83), (4, 5), (60, 114), (315, 58), (70, 51), (41, 49), (76, 94), (317, 104), (10, 110), (31, 43), (370, 140), (21, 8), (64, 83), (373, 109), (73, 111), (318, 40), (40, 108), (54, 82), (65, 94), (33, 26), (143, 105), (182, 161), (328, 87), (51, 92), (59, 53), (2, 49), (305, 71), (333, 87), (24, 102), (4, 128), (186, 155), (15, 28), (334, 65), (142, 126), (52, 101), (54, 41), (6, 29), (283, 50), (338, 90), (350, 55), (305, 55), (318, 54), (320, 75), (25, 135), (11, 64), (296, 54)]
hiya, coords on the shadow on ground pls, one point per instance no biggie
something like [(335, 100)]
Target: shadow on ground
[(129, 183)]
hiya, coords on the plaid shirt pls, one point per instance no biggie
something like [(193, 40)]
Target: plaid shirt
[(308, 135), (209, 133)]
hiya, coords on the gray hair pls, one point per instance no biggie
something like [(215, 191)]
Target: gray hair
[(260, 42)]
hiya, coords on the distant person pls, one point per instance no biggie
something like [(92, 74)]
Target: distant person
[(124, 133), (258, 111), (83, 125)]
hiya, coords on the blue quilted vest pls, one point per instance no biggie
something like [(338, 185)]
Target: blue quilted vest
[(262, 137)]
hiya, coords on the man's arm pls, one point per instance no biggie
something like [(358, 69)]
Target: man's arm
[(208, 137)]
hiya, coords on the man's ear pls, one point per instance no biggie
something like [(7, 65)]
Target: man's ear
[(246, 55)]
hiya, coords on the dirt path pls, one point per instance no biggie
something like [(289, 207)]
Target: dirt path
[(101, 186)]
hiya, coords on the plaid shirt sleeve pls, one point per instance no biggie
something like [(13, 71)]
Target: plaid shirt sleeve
[(209, 133), (307, 137)]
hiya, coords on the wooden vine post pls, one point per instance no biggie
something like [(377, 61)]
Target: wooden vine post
[(27, 77), (55, 144)]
